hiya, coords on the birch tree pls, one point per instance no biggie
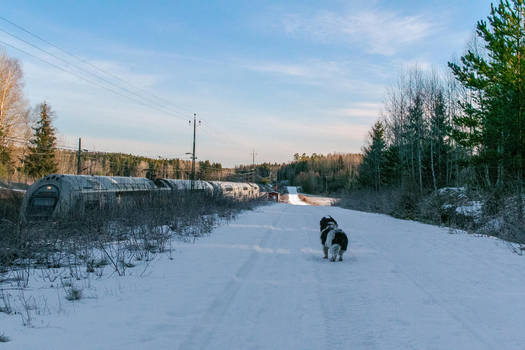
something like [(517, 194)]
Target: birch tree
[(14, 124)]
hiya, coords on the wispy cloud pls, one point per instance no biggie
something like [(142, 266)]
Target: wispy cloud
[(350, 77), (286, 69), (376, 31), (312, 69), (364, 110)]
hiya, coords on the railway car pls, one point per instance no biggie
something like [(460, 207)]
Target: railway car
[(254, 191), (239, 190), (59, 195), (184, 185)]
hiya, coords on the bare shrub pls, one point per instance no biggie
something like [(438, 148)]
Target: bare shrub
[(10, 202), (494, 212), (73, 293), (385, 202), (21, 274), (455, 207), (28, 308), (5, 298), (116, 234), (502, 217)]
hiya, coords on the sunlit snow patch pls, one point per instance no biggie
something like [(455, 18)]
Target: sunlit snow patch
[(293, 197)]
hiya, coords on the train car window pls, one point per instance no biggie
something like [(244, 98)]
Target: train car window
[(161, 183), (43, 201), (228, 189)]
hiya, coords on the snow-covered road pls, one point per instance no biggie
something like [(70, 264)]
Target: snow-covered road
[(293, 196), (260, 283)]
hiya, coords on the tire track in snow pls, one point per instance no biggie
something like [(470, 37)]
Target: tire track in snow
[(203, 330), (435, 299), (329, 293)]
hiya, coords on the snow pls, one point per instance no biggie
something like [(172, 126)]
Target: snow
[(472, 208), (460, 191), (261, 283), (293, 197)]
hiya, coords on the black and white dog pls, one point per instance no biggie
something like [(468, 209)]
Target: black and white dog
[(326, 224), (333, 239)]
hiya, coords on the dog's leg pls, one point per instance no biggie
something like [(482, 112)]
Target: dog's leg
[(341, 255), (325, 251), (334, 251)]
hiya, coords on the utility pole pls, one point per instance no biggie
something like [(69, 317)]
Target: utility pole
[(253, 165), (193, 153), (79, 168)]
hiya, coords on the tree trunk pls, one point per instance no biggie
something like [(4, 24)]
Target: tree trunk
[(420, 169), (432, 164)]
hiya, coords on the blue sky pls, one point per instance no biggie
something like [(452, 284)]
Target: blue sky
[(278, 77)]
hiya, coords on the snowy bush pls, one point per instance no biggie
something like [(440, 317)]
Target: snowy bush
[(470, 208)]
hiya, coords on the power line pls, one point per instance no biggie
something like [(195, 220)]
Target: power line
[(85, 79), (82, 70), (89, 81), (145, 101), (165, 102), (219, 134)]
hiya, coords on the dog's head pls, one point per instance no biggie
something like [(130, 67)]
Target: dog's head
[(327, 221)]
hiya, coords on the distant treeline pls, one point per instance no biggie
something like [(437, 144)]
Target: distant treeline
[(264, 173), (120, 164), (321, 173)]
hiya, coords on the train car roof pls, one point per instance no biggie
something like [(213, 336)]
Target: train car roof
[(233, 185), (228, 183), (95, 182)]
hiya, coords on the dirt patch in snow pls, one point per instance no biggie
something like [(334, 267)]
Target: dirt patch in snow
[(318, 201)]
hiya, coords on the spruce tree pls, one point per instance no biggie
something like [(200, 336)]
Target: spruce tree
[(40, 161), (371, 169)]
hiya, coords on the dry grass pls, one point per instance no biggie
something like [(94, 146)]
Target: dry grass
[(132, 231), (10, 202), (318, 201)]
